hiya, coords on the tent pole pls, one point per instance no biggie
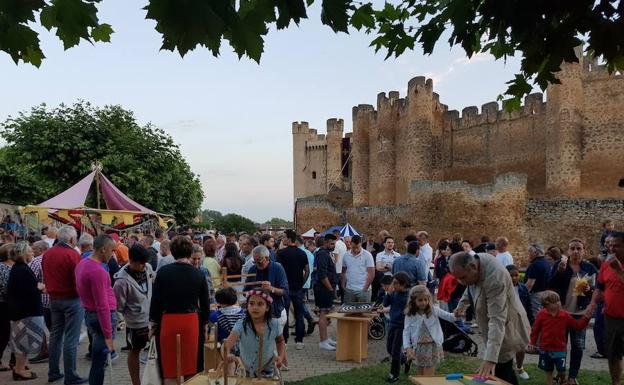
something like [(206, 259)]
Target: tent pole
[(97, 188)]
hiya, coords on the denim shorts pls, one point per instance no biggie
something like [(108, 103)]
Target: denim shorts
[(323, 298), (548, 361)]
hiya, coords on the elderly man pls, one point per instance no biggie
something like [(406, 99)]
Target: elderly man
[(536, 277), (58, 265), (498, 311), (247, 243), (272, 277), (358, 271), (610, 288)]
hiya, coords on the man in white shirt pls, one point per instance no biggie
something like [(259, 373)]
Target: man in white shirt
[(50, 236), (385, 259), (503, 256), (358, 271), (159, 236), (337, 254), (426, 251)]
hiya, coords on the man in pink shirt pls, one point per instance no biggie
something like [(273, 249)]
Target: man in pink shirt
[(98, 299)]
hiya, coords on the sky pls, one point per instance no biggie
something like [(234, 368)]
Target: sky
[(232, 118)]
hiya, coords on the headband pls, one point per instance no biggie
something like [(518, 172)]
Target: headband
[(261, 294)]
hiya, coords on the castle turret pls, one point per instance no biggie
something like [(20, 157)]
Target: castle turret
[(414, 155), (564, 131), (335, 128), (363, 120), (382, 149), (300, 133)]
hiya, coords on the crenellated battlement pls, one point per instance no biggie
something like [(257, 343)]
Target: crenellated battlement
[(491, 112)]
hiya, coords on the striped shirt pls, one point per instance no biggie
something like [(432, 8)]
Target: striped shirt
[(225, 319), (35, 266)]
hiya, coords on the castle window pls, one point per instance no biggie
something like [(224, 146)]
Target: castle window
[(621, 183), (313, 174)]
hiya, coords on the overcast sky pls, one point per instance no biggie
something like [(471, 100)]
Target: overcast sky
[(231, 118)]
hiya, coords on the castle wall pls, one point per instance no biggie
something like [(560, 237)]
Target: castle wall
[(482, 145), (603, 144), (364, 117), (499, 208)]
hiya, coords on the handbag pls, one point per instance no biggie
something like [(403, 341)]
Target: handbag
[(151, 374)]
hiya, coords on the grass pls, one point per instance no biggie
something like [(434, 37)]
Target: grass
[(376, 374)]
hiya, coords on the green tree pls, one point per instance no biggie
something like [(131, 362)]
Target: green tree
[(278, 221), (48, 150), (545, 33), (210, 217), (235, 223)]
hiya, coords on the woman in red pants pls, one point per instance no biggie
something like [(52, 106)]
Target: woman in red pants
[(180, 304)]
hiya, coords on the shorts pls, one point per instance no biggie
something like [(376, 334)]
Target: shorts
[(614, 337), (323, 298), (548, 361), (137, 339)]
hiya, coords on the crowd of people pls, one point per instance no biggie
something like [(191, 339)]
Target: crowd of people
[(250, 290)]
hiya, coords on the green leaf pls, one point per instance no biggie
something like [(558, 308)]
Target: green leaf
[(363, 17), (335, 14), (102, 32)]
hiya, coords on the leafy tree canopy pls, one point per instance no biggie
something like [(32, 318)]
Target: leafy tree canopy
[(210, 216), (278, 221), (48, 150), (235, 223), (543, 32)]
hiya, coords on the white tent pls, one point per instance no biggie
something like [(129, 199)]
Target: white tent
[(348, 231), (309, 234)]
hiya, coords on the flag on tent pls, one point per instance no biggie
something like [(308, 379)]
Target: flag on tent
[(348, 231)]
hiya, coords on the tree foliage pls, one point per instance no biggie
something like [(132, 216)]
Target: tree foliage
[(210, 217), (278, 221), (545, 33), (235, 223), (48, 150)]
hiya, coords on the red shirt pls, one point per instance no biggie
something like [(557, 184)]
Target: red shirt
[(58, 266), (613, 287), (552, 331)]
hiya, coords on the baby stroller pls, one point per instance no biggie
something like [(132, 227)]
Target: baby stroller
[(377, 325), (456, 340)]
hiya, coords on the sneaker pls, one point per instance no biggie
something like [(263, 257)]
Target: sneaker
[(331, 341), (325, 345), (596, 355), (55, 378), (114, 355), (522, 374), (392, 379), (299, 345), (78, 381), (39, 359)]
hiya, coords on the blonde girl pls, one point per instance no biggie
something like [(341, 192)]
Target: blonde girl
[(422, 333)]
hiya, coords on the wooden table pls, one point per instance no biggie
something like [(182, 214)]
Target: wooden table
[(441, 380), (351, 336)]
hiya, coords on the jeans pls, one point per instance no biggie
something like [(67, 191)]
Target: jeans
[(296, 298), (577, 344), (67, 316), (599, 329), (394, 346), (352, 296), (536, 305), (99, 351)]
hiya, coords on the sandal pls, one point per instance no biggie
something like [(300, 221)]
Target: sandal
[(19, 377), (572, 381)]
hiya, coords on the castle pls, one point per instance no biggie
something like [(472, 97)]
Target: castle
[(545, 173)]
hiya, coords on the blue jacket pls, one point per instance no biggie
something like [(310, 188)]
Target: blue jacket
[(275, 274), (525, 298), (397, 302), (560, 281)]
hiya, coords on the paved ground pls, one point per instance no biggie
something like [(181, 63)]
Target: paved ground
[(309, 362)]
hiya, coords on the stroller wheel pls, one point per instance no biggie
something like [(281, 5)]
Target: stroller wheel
[(376, 330)]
